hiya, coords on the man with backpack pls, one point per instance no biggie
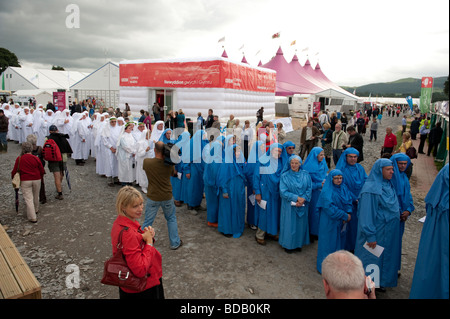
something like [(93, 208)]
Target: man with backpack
[(55, 151)]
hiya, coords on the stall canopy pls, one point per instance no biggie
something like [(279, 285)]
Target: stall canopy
[(288, 81)]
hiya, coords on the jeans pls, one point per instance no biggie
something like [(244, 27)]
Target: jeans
[(3, 139), (336, 154), (168, 206), (373, 134)]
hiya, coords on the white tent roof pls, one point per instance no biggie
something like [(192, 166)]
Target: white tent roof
[(32, 92), (49, 79), (332, 93), (104, 78)]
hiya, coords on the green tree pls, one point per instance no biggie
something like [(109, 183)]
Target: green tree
[(7, 58), (446, 87), (57, 68)]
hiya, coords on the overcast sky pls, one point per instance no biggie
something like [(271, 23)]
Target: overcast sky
[(356, 41)]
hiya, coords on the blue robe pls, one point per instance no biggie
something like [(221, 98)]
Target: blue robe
[(210, 181), (266, 182), (231, 181), (354, 177), (403, 190), (183, 167), (335, 203), (431, 280), (252, 162), (318, 172), (294, 226), (378, 221), (194, 185)]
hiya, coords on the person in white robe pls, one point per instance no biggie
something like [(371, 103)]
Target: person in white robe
[(126, 150), (16, 127), (7, 111), (80, 135), (39, 127), (98, 147), (144, 149), (108, 147), (26, 123)]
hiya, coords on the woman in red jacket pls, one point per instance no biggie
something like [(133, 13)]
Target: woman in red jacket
[(142, 258), (31, 172)]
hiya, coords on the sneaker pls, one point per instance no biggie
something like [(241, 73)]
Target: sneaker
[(60, 197), (175, 248)]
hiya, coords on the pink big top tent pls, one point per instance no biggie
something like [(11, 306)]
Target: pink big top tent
[(289, 82)]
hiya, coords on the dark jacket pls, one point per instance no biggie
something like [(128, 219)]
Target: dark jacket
[(61, 141), (4, 121), (435, 135), (356, 141)]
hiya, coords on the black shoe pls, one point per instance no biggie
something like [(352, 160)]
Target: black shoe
[(289, 251)]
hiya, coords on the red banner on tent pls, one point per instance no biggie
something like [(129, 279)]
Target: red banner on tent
[(201, 74)]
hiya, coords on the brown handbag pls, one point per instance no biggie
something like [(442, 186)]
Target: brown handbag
[(117, 273)]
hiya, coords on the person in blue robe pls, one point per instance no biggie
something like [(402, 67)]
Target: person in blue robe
[(317, 168), (289, 146), (258, 149), (335, 205), (354, 177), (430, 280), (165, 139), (266, 183), (211, 169), (379, 225), (295, 187), (402, 187), (184, 166), (194, 173), (231, 185)]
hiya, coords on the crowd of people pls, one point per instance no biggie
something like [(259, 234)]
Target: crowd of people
[(248, 176)]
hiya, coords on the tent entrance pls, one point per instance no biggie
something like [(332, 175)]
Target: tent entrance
[(164, 99)]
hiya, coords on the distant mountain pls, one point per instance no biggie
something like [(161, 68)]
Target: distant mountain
[(401, 88)]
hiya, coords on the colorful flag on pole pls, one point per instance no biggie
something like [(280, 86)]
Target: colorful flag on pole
[(221, 39), (410, 102), (293, 42), (425, 94), (276, 35), (241, 48)]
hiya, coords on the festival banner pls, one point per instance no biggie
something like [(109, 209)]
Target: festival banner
[(197, 74), (425, 94)]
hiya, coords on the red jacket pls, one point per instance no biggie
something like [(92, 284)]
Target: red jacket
[(142, 259), (30, 168), (390, 140)]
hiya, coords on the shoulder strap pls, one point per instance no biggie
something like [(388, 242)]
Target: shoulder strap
[(119, 242)]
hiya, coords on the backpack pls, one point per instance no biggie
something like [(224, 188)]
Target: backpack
[(51, 152)]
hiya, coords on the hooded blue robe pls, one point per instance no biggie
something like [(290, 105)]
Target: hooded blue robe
[(252, 162), (318, 172), (266, 182), (334, 203), (378, 221), (403, 189), (431, 280), (231, 181), (184, 166), (210, 172), (294, 226), (354, 177), (195, 185)]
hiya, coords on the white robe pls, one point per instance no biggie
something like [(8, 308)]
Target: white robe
[(126, 148), (108, 138), (27, 129)]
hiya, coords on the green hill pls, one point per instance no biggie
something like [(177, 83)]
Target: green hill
[(400, 88)]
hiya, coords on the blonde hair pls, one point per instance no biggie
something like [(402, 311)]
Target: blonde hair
[(126, 197), (326, 126)]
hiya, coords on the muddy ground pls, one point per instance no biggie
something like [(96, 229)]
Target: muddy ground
[(75, 234)]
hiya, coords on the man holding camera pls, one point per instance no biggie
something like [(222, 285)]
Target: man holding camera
[(159, 193)]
